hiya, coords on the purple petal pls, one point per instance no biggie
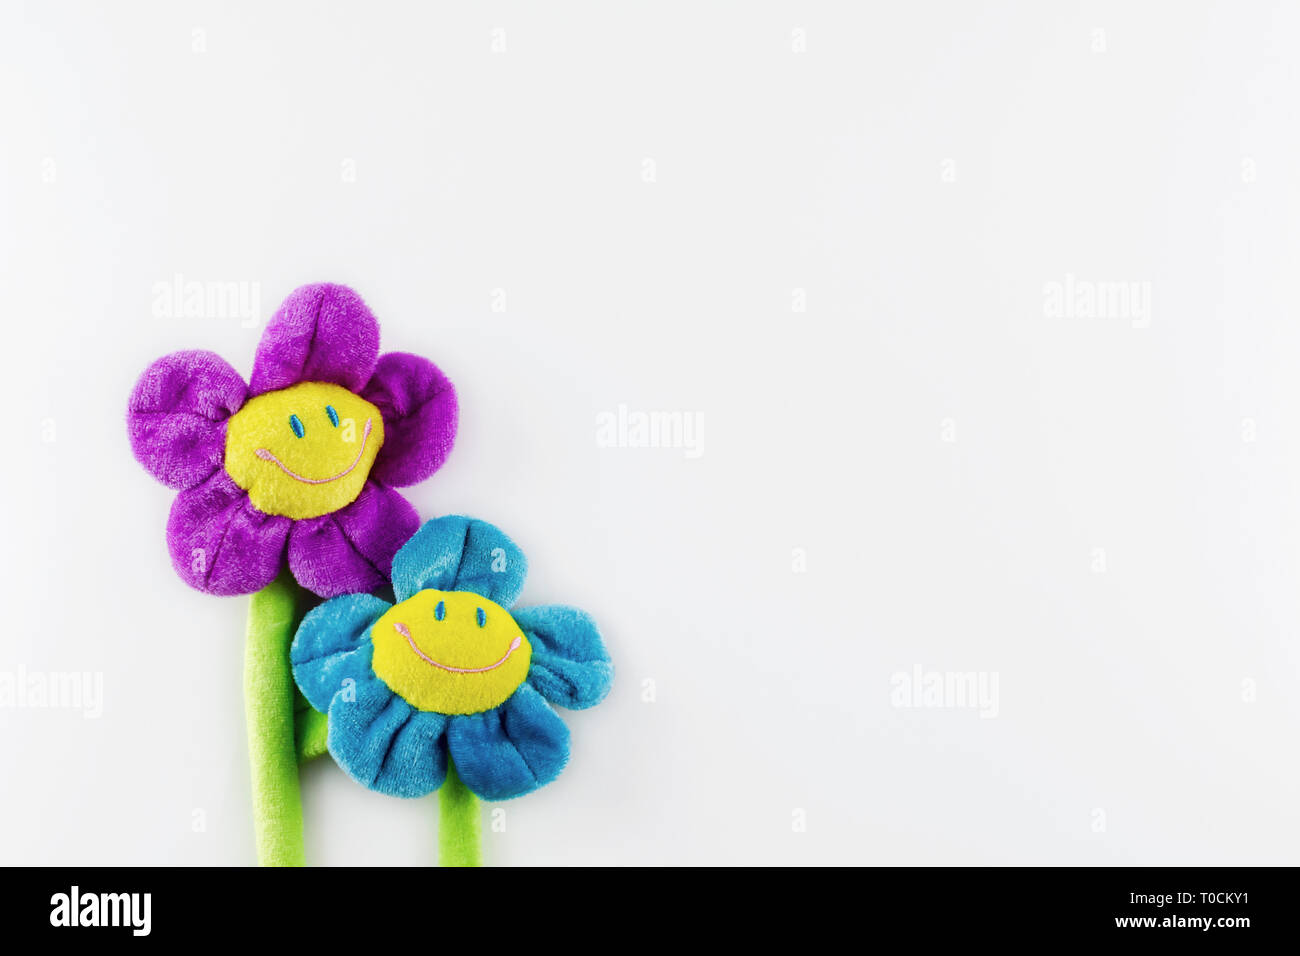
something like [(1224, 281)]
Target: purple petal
[(322, 333), (418, 403), (176, 416), (350, 551), (220, 543)]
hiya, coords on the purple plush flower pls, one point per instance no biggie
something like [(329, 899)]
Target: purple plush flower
[(303, 460)]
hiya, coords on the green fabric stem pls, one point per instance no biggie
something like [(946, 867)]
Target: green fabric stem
[(269, 693), (459, 831), (312, 730)]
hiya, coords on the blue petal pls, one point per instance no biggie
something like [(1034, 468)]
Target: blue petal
[(416, 763), (570, 665), (510, 750), (333, 644), (460, 554), (383, 742)]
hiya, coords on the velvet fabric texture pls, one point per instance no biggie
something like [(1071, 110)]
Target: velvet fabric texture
[(453, 652), (218, 541), (459, 824), (390, 745), (455, 553), (268, 709)]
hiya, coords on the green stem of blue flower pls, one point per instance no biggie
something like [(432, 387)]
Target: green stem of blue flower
[(312, 732), (268, 708), (459, 824)]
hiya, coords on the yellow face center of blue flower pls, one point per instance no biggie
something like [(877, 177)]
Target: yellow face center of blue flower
[(452, 652), (303, 451)]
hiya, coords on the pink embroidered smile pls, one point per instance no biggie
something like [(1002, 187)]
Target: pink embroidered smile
[(406, 633), (266, 455)]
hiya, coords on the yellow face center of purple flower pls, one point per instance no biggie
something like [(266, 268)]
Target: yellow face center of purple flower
[(453, 652), (303, 451)]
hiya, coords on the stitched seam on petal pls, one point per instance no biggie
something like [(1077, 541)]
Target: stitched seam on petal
[(320, 657), (311, 339), (421, 406), (464, 544), (216, 553), (216, 467), (392, 742), (333, 516), (524, 760), (139, 412)]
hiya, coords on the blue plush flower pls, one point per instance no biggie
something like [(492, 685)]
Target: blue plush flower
[(448, 670)]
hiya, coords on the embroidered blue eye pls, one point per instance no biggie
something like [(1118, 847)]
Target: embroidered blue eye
[(296, 424), (333, 414), (482, 617), (440, 611)]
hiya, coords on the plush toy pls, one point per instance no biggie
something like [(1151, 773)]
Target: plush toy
[(298, 467), (449, 687), (301, 462)]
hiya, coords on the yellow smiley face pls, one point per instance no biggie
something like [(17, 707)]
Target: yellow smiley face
[(303, 451), (453, 652)]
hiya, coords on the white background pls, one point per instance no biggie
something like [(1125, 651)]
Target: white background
[(922, 468)]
